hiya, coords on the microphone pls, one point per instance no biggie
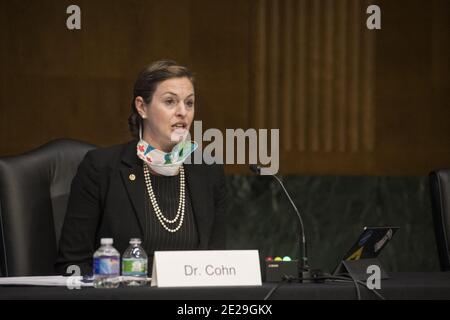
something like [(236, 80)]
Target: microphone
[(304, 267)]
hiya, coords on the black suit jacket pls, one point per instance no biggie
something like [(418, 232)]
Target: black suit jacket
[(105, 202)]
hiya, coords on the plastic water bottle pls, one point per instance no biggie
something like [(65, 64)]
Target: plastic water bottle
[(134, 264), (106, 265)]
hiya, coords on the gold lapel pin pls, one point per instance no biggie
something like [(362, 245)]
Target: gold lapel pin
[(132, 177)]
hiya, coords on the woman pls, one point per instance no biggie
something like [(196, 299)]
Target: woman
[(142, 188)]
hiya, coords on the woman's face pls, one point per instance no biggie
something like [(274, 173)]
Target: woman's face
[(169, 115)]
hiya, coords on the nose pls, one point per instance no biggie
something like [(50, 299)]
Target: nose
[(181, 110)]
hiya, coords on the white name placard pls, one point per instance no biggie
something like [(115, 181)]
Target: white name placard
[(206, 268)]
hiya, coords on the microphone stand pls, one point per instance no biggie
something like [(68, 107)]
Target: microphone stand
[(303, 268), (303, 265)]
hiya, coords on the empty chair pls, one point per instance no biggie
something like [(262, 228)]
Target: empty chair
[(34, 189), (440, 201)]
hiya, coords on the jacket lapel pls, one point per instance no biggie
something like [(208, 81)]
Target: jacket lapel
[(133, 179), (201, 204)]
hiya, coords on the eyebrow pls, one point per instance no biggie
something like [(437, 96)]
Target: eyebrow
[(172, 93)]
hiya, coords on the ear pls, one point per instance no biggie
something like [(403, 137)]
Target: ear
[(141, 107)]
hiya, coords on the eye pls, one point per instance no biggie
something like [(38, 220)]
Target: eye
[(190, 103), (169, 102)]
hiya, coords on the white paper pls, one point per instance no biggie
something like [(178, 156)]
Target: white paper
[(72, 281)]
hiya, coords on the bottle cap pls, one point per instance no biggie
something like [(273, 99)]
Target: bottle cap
[(106, 241), (135, 241)]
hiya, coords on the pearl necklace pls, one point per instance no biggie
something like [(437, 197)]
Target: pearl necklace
[(180, 212)]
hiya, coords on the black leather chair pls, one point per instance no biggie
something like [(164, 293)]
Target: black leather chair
[(34, 189), (440, 201)]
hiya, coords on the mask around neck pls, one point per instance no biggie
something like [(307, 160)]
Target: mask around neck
[(165, 163)]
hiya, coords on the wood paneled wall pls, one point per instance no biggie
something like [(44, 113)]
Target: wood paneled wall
[(313, 69), (346, 100)]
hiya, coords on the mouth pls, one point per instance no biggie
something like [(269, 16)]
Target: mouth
[(179, 131), (179, 125)]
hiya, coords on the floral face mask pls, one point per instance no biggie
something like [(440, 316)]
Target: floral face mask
[(165, 163)]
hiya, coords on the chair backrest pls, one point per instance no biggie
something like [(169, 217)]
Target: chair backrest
[(34, 190), (440, 201)]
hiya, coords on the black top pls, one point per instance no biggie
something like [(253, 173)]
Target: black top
[(167, 193), (108, 200)]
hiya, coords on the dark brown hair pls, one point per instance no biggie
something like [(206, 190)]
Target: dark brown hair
[(146, 84)]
